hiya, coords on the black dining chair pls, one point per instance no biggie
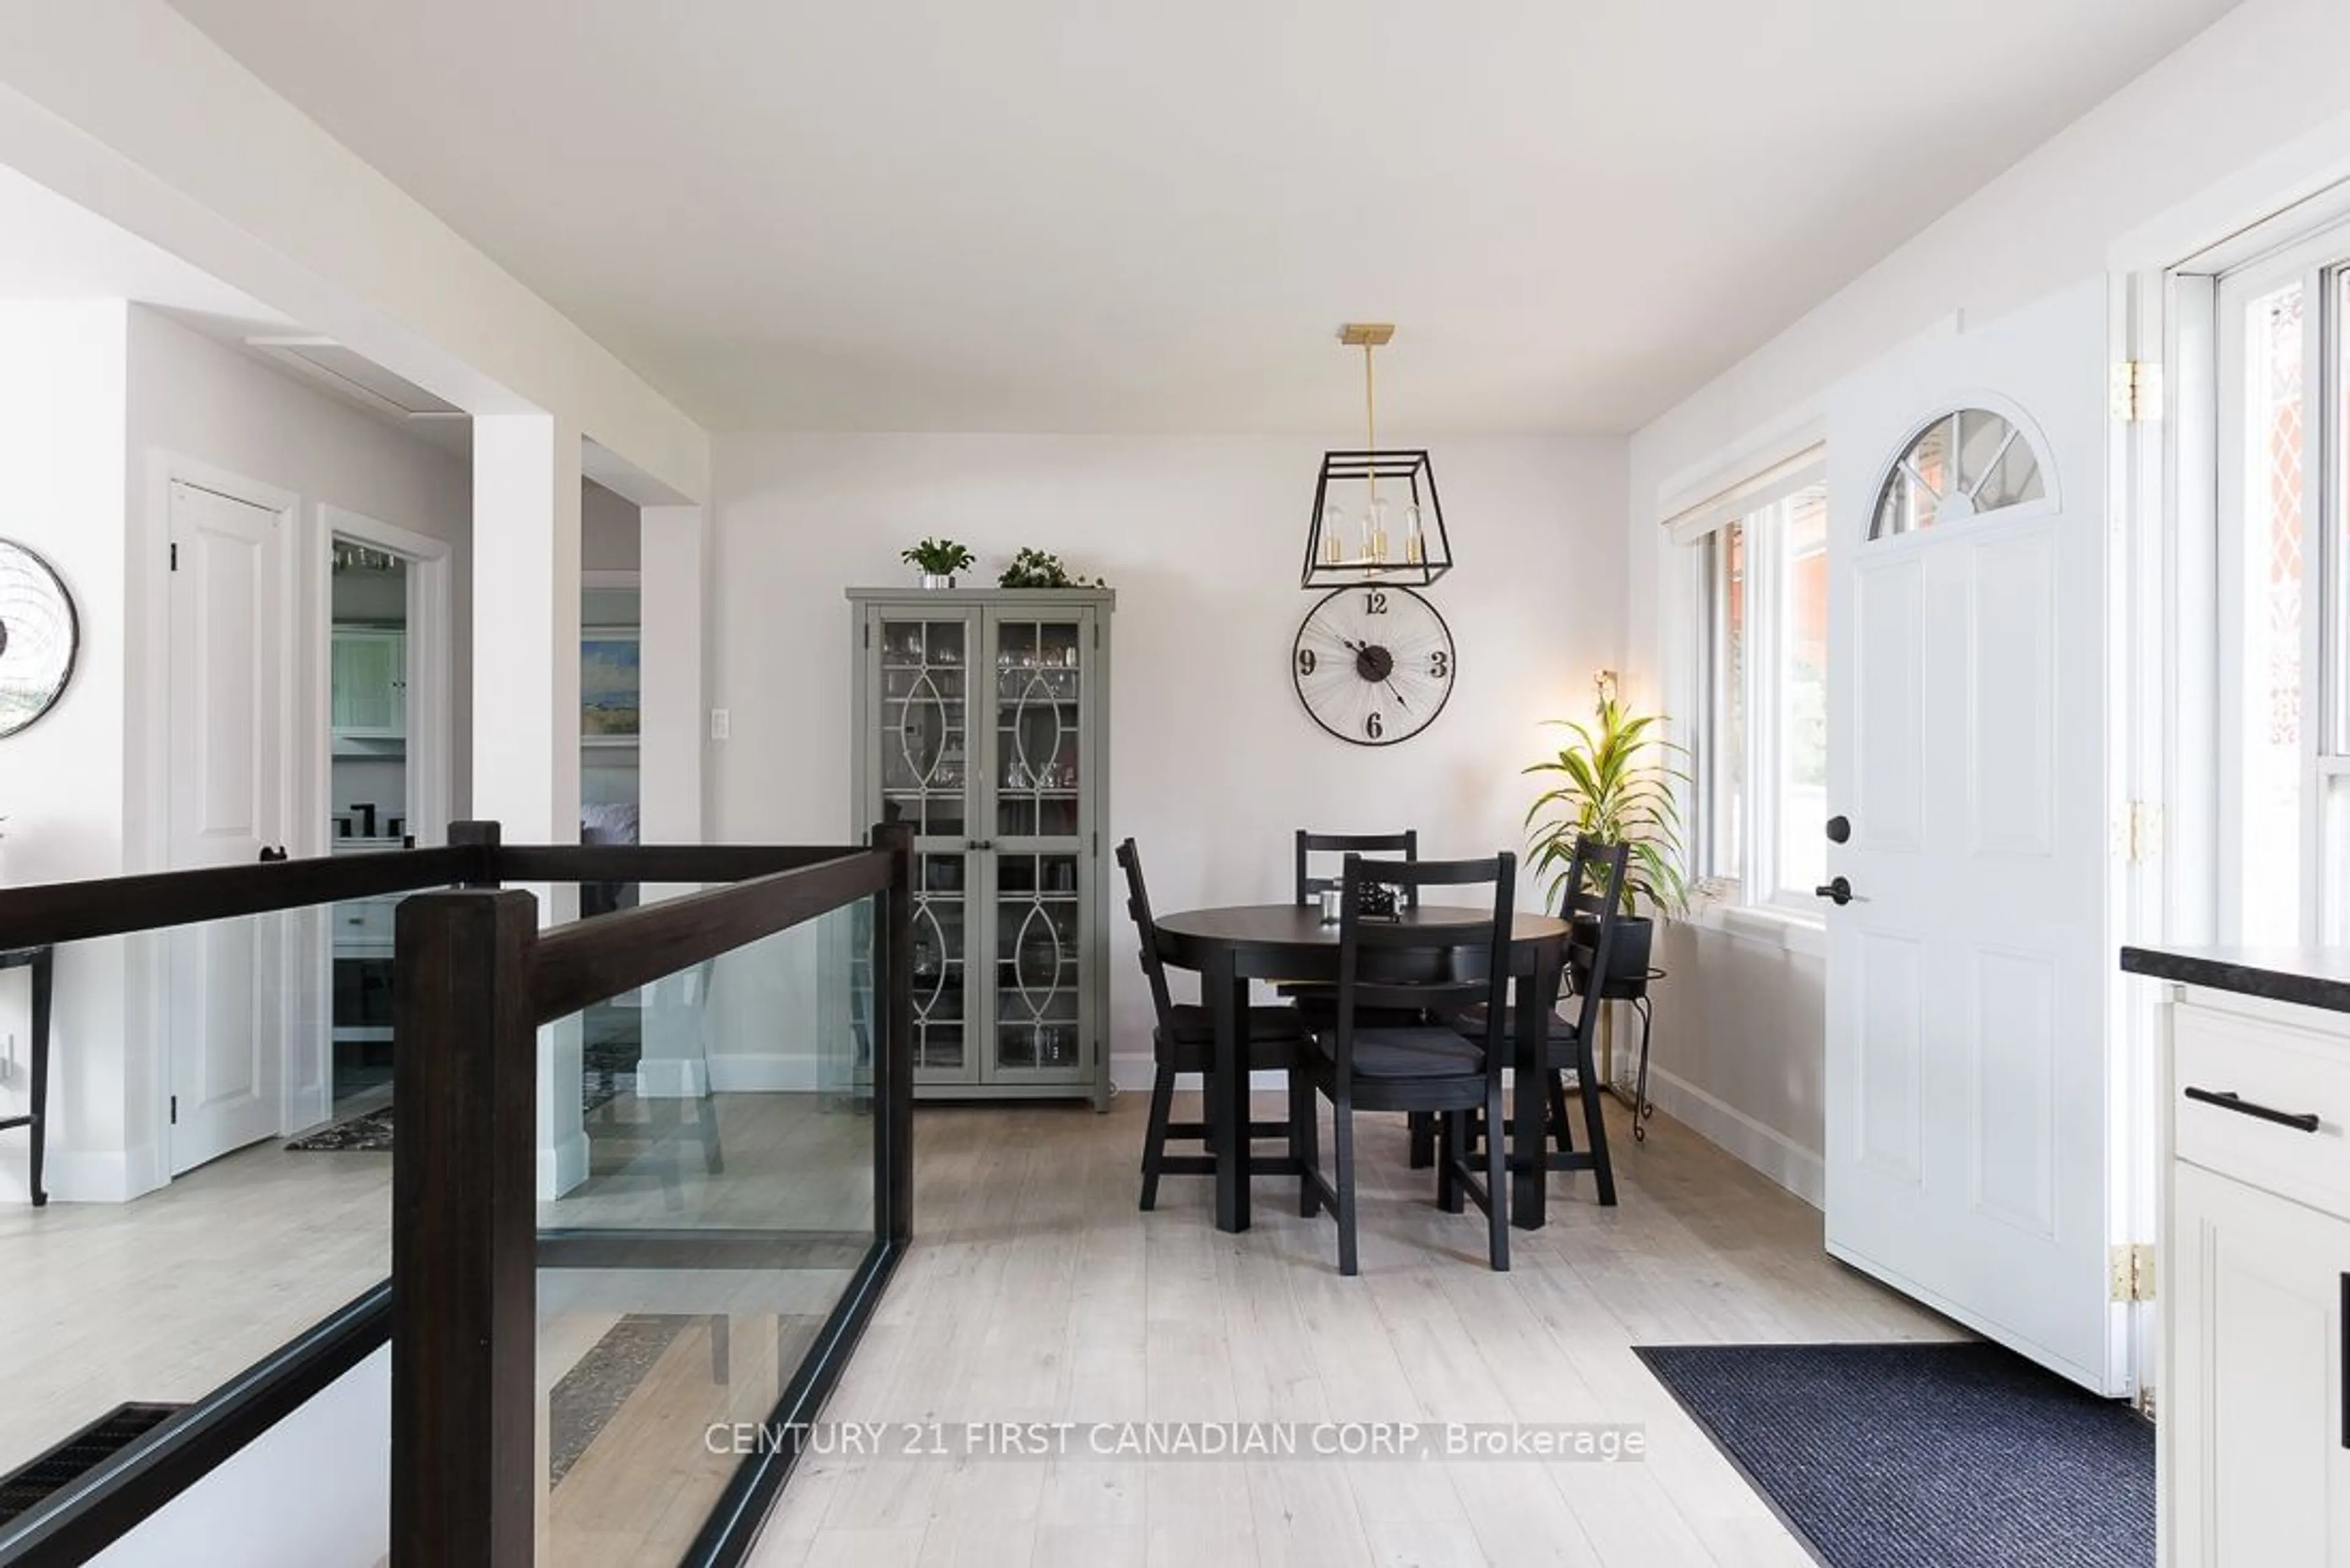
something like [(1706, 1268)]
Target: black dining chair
[(1426, 1067), (1310, 887), (1591, 902), (1185, 1042)]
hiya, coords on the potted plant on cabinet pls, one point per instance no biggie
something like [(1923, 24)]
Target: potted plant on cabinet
[(940, 560), (1613, 780)]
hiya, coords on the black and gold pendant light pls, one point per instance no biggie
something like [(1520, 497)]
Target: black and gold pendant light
[(1376, 515)]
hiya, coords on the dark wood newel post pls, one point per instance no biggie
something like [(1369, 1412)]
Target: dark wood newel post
[(465, 1233), (894, 1074), (484, 837)]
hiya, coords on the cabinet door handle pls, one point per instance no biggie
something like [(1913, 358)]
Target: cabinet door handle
[(2342, 1350), (2228, 1100)]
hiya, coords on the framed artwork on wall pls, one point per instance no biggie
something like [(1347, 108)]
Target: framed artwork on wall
[(611, 688)]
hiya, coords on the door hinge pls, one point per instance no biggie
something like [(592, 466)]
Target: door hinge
[(869, 634), (2137, 390), (175, 555), (1096, 842), (175, 1110), (1096, 634), (2133, 1271), (2138, 836)]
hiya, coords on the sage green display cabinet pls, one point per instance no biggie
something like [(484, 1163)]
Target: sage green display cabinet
[(982, 722)]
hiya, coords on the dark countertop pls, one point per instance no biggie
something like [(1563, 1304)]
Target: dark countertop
[(2314, 977)]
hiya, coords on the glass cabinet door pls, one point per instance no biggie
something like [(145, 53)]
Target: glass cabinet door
[(1041, 873), (928, 773)]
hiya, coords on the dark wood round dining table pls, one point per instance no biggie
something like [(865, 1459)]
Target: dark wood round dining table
[(1233, 946)]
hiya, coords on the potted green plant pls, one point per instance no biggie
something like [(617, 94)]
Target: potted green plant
[(1614, 780), (940, 559), (1035, 569)]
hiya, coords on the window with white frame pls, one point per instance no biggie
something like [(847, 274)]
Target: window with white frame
[(2283, 451), (1759, 747)]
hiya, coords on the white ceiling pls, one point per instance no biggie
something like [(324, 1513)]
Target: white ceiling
[(1110, 215)]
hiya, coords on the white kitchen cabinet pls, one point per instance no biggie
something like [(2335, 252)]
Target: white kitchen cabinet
[(2254, 1395), (368, 670), (2256, 1409)]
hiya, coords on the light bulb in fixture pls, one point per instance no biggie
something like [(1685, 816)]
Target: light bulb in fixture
[(1375, 531), (1334, 528), (1414, 546)]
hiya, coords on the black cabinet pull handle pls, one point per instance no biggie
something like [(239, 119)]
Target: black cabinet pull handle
[(2341, 1349), (2228, 1100)]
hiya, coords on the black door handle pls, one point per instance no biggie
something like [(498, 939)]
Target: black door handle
[(2228, 1100), (1839, 890)]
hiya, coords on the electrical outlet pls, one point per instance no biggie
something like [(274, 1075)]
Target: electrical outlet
[(721, 724)]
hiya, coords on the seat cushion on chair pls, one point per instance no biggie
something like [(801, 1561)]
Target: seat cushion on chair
[(1412, 1052), (1196, 1025), (1472, 1024)]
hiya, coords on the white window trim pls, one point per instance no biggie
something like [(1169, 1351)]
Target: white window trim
[(2312, 256), (1775, 911)]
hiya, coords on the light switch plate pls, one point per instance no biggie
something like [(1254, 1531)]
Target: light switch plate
[(721, 724)]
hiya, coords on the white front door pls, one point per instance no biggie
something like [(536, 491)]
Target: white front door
[(223, 995), (1969, 1062)]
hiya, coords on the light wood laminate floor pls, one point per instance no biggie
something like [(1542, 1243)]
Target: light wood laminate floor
[(1038, 1293)]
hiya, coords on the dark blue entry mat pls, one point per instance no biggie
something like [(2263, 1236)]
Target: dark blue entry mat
[(1925, 1456)]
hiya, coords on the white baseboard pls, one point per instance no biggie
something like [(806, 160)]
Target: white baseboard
[(763, 1074), (672, 1078), (1800, 1171), (563, 1166), (107, 1176)]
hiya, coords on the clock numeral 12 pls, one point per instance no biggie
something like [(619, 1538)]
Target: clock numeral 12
[(1374, 601)]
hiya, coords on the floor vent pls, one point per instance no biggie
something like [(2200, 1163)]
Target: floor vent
[(25, 1487)]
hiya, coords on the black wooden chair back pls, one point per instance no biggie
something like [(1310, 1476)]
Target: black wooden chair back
[(1146, 930), (1310, 887), (1591, 902), (1386, 967)]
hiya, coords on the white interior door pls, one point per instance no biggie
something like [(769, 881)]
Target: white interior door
[(1969, 1062), (223, 997)]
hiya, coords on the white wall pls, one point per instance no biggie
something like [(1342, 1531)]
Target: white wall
[(91, 395), (63, 378), (312, 1491), (1740, 1026), (1213, 764)]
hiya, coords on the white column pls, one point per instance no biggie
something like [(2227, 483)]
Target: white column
[(674, 592), (527, 702)]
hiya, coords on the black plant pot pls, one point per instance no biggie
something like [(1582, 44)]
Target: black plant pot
[(1627, 956)]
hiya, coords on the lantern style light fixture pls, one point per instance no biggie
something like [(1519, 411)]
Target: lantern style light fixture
[(1376, 515)]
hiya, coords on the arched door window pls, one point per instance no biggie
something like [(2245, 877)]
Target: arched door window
[(1961, 466)]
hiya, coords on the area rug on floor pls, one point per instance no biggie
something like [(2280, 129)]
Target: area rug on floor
[(369, 1132), (1925, 1456), (586, 1398)]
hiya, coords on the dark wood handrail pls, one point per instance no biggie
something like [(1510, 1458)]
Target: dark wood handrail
[(655, 862), (577, 965), (50, 912)]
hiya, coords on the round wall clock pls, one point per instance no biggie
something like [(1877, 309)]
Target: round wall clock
[(1374, 665), (39, 636)]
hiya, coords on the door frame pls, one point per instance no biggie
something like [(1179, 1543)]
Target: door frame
[(431, 660), (149, 698), (431, 664), (2166, 313)]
